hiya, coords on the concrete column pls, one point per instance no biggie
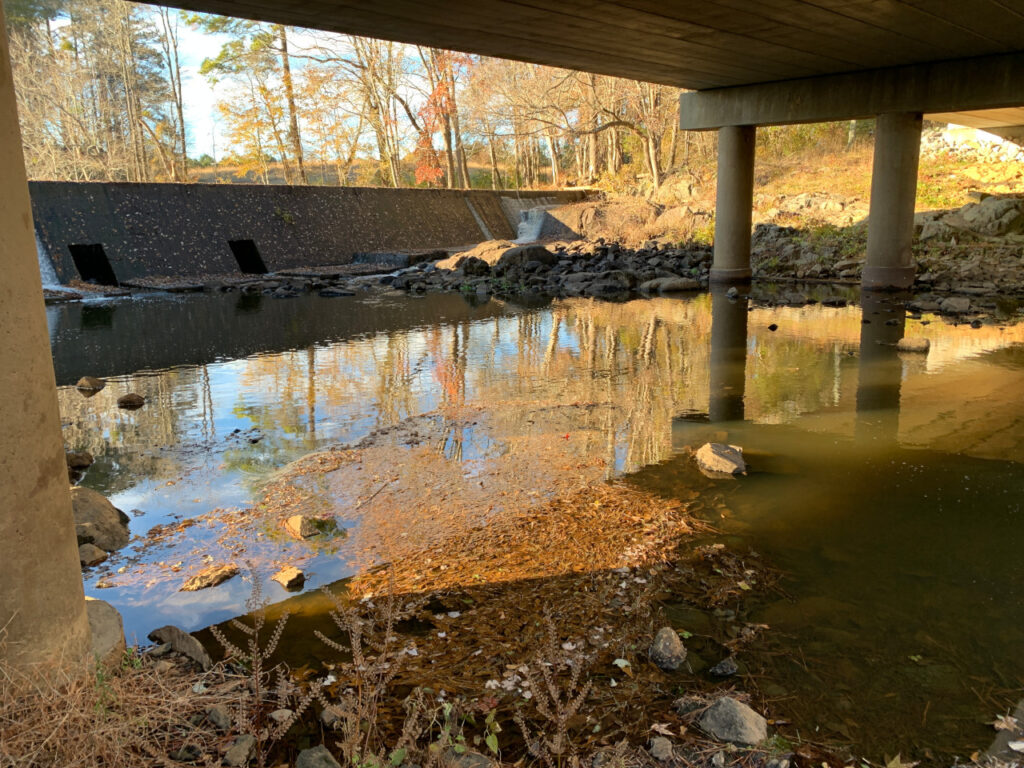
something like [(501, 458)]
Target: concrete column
[(734, 204), (893, 191), (42, 605)]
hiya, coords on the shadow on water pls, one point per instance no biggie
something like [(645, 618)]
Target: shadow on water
[(886, 485)]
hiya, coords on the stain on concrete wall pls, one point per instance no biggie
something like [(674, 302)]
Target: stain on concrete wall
[(184, 229)]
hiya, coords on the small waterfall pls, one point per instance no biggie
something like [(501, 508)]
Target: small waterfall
[(531, 224), (46, 270)]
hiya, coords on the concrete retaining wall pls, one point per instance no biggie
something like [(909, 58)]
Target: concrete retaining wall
[(184, 229)]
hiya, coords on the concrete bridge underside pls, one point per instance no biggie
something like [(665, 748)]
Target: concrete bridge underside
[(750, 63)]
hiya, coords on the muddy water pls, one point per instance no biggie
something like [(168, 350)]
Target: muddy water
[(886, 485)]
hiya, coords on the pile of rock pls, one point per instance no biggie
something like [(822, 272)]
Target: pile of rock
[(101, 527)]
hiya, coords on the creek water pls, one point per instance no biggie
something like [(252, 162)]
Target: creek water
[(887, 486)]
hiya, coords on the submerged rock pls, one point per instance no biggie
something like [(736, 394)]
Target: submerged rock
[(131, 401), (725, 668), (290, 577), (733, 721), (317, 757), (303, 526), (667, 651), (718, 459), (97, 521), (210, 577), (184, 643)]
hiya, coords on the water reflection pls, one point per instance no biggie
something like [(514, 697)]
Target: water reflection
[(866, 461)]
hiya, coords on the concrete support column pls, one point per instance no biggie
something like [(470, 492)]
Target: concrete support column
[(734, 204), (42, 605), (893, 191)]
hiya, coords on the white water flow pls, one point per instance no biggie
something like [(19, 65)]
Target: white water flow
[(46, 270), (531, 224)]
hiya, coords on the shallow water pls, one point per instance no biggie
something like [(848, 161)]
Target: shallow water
[(886, 485)]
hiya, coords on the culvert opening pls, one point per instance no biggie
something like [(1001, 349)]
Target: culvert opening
[(248, 257), (92, 263)]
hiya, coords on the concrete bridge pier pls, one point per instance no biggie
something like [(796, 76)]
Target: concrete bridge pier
[(734, 204), (42, 604), (890, 263)]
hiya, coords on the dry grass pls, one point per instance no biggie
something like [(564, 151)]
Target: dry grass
[(70, 717)]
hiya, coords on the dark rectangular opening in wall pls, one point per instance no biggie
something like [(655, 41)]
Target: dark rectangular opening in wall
[(92, 263), (248, 257)]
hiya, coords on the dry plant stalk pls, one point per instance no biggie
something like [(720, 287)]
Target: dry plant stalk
[(556, 702)]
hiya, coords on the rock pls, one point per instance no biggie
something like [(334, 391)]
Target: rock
[(661, 749), (90, 384), (186, 754), (667, 651), (210, 577), (241, 751), (523, 254), (955, 305), (97, 521), (725, 668), (184, 643), (303, 526), (317, 757), (90, 555), (281, 715), (331, 716), (474, 267), (290, 577), (678, 284), (107, 632), (733, 721), (467, 759), (333, 293), (220, 717), (913, 345), (79, 459), (131, 401), (720, 459)]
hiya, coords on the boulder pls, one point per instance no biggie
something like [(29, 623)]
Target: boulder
[(184, 643), (317, 757), (290, 577), (303, 526), (240, 753), (489, 251), (955, 305), (992, 217), (733, 721), (97, 521), (718, 459), (521, 255), (90, 384), (474, 267), (210, 577), (79, 459), (90, 555), (669, 285), (131, 401), (667, 651), (107, 631)]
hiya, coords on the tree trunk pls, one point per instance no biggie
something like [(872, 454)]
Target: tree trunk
[(289, 89)]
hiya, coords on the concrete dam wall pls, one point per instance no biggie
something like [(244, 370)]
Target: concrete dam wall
[(110, 232)]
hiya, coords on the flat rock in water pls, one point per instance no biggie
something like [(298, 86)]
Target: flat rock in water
[(90, 384), (303, 526), (184, 643), (210, 577), (914, 345), (733, 721), (90, 554), (290, 577), (97, 521), (317, 757), (131, 401), (719, 459), (667, 651)]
